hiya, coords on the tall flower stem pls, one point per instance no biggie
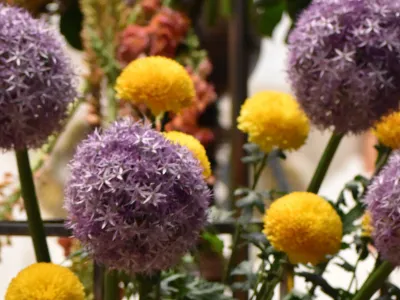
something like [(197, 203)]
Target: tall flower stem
[(321, 171), (111, 290), (324, 163), (375, 280), (36, 228), (381, 161), (238, 227)]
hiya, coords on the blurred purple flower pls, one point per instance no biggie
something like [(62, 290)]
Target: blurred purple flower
[(136, 201), (383, 200), (36, 80), (344, 62)]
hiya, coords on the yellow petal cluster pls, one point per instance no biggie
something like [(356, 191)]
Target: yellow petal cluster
[(274, 119), (366, 225), (194, 146), (160, 83), (304, 226), (387, 130), (45, 281)]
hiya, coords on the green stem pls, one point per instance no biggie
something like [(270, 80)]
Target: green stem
[(36, 228), (258, 171), (148, 285), (111, 290), (324, 163), (379, 165), (112, 105), (354, 274), (159, 121), (375, 280), (268, 287), (382, 160), (238, 227)]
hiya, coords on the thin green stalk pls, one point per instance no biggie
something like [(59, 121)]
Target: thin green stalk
[(111, 290), (258, 171), (379, 165), (354, 274), (324, 163), (267, 289), (238, 227), (382, 160), (375, 281), (112, 105), (36, 228)]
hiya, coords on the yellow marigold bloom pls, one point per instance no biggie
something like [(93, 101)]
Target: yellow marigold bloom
[(366, 225), (45, 281), (160, 83), (304, 226), (387, 130), (274, 119), (194, 146)]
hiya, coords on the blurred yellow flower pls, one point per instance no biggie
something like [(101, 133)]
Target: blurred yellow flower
[(304, 226), (160, 83), (366, 225), (274, 119), (45, 281), (194, 146), (387, 130)]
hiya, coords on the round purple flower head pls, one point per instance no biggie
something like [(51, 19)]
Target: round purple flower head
[(36, 80), (344, 62), (135, 200), (383, 201)]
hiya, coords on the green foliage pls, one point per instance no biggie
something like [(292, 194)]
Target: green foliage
[(214, 243), (267, 15), (71, 24), (178, 286)]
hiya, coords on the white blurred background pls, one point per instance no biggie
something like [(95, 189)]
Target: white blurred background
[(269, 74)]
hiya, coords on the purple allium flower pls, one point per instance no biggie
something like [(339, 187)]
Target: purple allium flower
[(383, 200), (344, 62), (136, 201), (36, 80)]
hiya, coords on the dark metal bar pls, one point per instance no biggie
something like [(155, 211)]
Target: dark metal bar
[(238, 77), (20, 228), (238, 73), (57, 228)]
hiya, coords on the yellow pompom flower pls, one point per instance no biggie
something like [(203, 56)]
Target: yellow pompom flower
[(194, 146), (45, 281), (160, 83), (387, 130), (366, 225), (304, 226), (274, 119)]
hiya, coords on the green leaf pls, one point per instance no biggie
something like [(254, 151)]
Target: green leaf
[(348, 220), (294, 7), (268, 15), (252, 159), (294, 295), (258, 239), (241, 192), (346, 266), (320, 281), (216, 244), (248, 200), (251, 148), (71, 25)]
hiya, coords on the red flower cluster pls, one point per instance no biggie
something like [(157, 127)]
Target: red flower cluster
[(187, 120), (161, 36)]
